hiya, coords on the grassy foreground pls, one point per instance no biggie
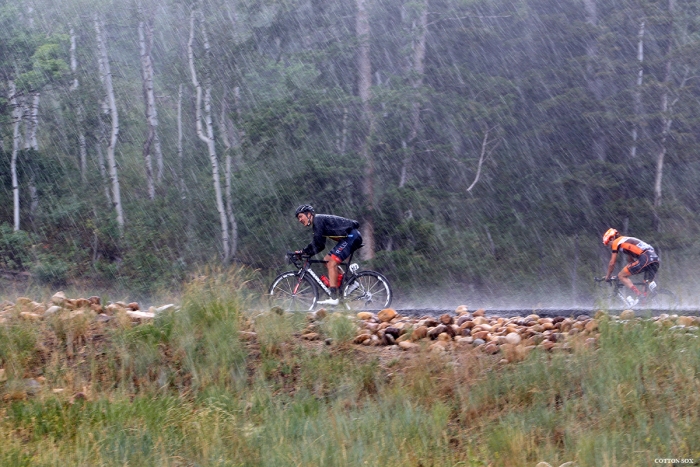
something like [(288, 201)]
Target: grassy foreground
[(186, 390)]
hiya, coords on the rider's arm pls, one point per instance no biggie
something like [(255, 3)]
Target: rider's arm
[(611, 266), (317, 244)]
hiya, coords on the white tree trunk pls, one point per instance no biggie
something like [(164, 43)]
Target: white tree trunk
[(82, 145), (152, 143), (666, 120), (638, 90), (230, 140), (16, 141), (111, 103), (101, 163), (485, 153), (208, 137), (420, 33), (31, 124), (180, 154), (364, 73)]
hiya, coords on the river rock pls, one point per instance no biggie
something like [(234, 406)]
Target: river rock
[(446, 319), (419, 333), (513, 338), (26, 315), (365, 315), (311, 336), (592, 325), (479, 312), (407, 345), (463, 341), (686, 321), (31, 386), (444, 337), (627, 314), (543, 464), (463, 319), (386, 315), (361, 338), (478, 342), (461, 310), (547, 345), (140, 315), (436, 331), (392, 331), (23, 302), (58, 298), (480, 335)]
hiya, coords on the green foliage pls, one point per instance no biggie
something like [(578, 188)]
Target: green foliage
[(340, 328), (18, 347), (15, 248), (50, 269)]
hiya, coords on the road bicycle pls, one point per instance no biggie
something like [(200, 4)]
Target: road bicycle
[(653, 296), (357, 290)]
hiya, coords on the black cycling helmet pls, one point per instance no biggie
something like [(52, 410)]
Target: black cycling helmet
[(304, 208)]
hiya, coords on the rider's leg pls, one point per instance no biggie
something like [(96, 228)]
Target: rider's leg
[(624, 277), (332, 265)]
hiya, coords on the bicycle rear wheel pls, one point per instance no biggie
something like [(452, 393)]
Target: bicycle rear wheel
[(662, 299), (368, 290), (291, 295)]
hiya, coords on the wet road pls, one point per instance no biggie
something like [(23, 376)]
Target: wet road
[(546, 312)]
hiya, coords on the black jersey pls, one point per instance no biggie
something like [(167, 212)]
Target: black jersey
[(329, 226)]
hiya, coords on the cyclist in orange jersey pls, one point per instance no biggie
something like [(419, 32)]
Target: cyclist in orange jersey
[(641, 258)]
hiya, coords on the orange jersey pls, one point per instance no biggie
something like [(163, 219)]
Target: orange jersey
[(630, 245)]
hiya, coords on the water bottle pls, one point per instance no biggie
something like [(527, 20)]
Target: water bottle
[(340, 278), (325, 281)]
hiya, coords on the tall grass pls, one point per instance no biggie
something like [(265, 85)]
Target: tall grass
[(186, 390)]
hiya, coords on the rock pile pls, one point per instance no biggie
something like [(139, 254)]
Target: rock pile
[(512, 337), (92, 307)]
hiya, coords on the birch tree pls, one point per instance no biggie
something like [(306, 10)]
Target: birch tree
[(204, 125), (638, 90), (111, 105), (666, 116), (17, 111), (152, 142), (364, 78), (231, 140), (31, 147), (75, 84), (420, 34)]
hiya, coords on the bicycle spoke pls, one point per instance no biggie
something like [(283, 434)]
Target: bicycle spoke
[(290, 294), (367, 291)]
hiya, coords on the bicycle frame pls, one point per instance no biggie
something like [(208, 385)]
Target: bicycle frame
[(619, 287), (304, 263)]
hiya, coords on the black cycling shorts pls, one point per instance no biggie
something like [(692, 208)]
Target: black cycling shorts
[(346, 246), (647, 262)]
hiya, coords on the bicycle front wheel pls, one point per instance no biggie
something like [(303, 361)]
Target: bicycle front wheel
[(290, 294), (368, 290)]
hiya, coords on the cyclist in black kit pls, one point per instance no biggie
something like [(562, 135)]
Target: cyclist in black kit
[(340, 229)]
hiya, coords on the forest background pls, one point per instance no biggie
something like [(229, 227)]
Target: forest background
[(484, 145)]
